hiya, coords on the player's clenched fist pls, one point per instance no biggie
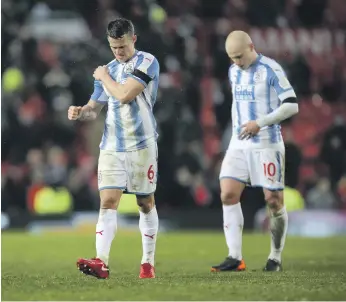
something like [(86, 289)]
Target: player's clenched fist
[(100, 72), (74, 113)]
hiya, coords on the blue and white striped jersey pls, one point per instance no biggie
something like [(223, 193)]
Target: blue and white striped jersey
[(131, 126), (257, 91)]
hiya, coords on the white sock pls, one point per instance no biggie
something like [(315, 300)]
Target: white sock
[(233, 222), (105, 231), (148, 225), (278, 228)]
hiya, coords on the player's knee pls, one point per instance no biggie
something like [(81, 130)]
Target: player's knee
[(110, 198), (274, 200), (145, 202), (109, 202), (229, 197)]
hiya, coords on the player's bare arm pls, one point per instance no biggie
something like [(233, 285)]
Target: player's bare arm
[(88, 112), (126, 92), (285, 111)]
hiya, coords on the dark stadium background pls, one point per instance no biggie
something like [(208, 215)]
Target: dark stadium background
[(50, 49), (49, 197)]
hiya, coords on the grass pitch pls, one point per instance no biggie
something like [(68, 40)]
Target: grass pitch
[(42, 267)]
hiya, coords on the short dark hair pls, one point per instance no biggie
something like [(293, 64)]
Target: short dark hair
[(119, 27)]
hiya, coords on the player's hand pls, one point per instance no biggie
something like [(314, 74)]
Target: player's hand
[(100, 72), (249, 130), (74, 113)]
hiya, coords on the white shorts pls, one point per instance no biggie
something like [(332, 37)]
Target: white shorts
[(256, 167), (134, 171)]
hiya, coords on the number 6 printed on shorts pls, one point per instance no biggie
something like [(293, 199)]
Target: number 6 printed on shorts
[(151, 174)]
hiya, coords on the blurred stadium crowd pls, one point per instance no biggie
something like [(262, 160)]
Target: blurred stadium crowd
[(50, 49)]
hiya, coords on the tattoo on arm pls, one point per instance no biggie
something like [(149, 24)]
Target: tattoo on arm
[(88, 113)]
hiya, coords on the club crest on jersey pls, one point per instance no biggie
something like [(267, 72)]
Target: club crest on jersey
[(258, 76), (129, 67)]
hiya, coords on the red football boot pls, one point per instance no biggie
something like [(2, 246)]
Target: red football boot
[(94, 267), (147, 271)]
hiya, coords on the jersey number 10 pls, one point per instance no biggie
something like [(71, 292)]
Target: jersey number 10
[(269, 169)]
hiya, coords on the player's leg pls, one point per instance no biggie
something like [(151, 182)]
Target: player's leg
[(105, 232), (107, 222), (267, 171), (148, 226), (112, 182), (233, 177), (142, 176), (278, 228)]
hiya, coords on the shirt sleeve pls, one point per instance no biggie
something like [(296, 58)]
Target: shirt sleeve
[(278, 80), (281, 113), (146, 69), (99, 95)]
